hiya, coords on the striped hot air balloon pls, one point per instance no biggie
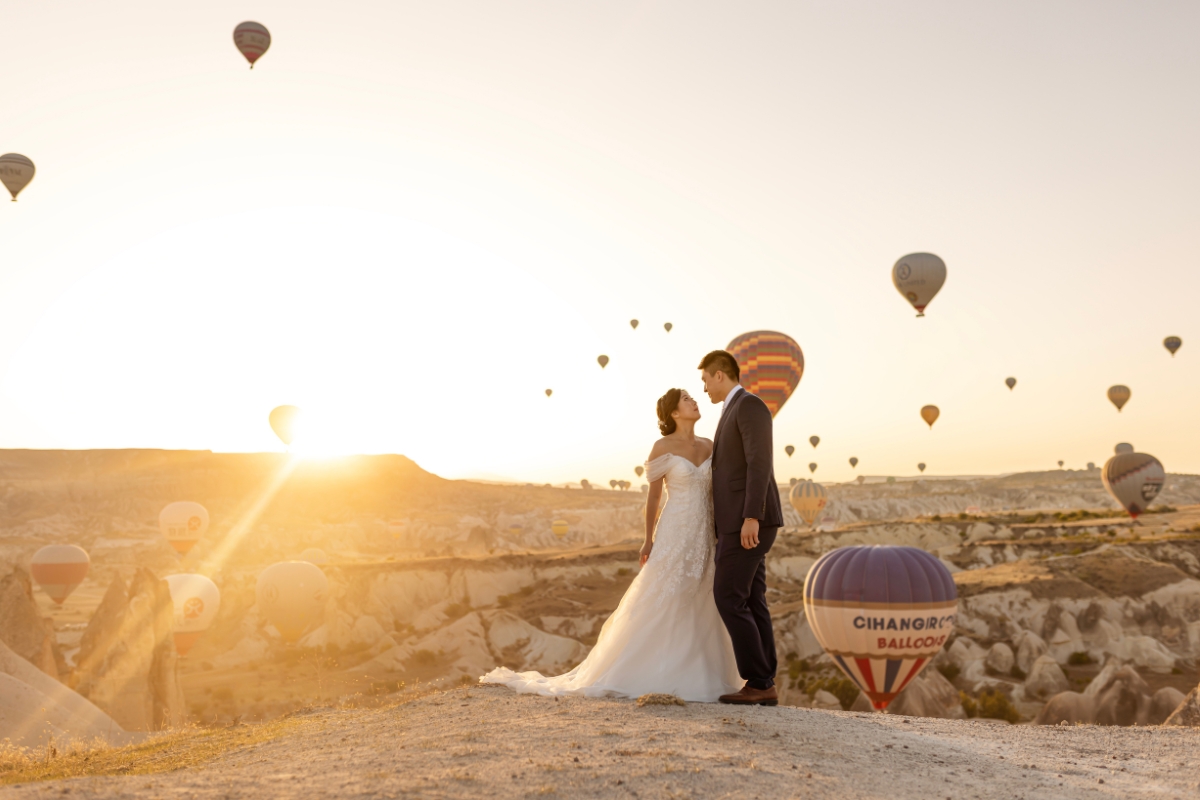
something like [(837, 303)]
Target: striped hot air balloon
[(559, 528), (16, 171), (252, 39), (1134, 480), (881, 612), (809, 499), (771, 365), (59, 568)]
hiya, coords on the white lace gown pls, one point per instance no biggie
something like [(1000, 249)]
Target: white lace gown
[(666, 635)]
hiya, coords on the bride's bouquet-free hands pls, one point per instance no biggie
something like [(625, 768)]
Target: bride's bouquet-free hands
[(644, 553)]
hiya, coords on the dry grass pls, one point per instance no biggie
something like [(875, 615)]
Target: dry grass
[(165, 752), (659, 700)]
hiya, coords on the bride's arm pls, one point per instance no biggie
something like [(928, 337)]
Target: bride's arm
[(652, 499)]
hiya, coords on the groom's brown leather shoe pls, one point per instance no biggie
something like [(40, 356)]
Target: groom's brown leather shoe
[(752, 697)]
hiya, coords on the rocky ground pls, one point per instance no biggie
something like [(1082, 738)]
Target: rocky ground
[(476, 741)]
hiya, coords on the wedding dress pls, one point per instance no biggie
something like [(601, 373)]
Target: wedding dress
[(666, 635)]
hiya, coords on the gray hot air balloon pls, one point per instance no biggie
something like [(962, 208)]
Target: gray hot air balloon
[(853, 461), (602, 361), (814, 440), (549, 392), (667, 327), (812, 467), (789, 450), (1172, 343), (918, 277), (633, 323), (16, 171), (1010, 383), (921, 466)]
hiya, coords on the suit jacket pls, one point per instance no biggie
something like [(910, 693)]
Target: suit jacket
[(743, 471)]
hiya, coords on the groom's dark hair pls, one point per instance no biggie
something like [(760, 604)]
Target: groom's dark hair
[(721, 361)]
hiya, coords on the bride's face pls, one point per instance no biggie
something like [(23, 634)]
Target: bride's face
[(688, 408)]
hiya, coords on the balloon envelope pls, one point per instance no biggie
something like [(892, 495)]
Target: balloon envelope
[(633, 323), (16, 171), (812, 467), (559, 528), (59, 569), (602, 361), (196, 600), (291, 595), (283, 421), (881, 612), (183, 524), (638, 470), (921, 466), (789, 450), (549, 392), (1119, 395), (1172, 343), (1134, 480), (1060, 465), (814, 440), (667, 327), (918, 277), (809, 500), (853, 461), (1123, 447), (1010, 383), (930, 414), (252, 39), (771, 365)]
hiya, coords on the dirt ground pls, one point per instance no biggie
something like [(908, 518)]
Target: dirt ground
[(478, 741)]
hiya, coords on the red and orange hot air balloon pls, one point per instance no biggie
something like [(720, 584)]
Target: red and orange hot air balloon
[(59, 568), (771, 364)]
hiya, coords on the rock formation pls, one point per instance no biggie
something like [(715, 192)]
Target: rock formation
[(21, 625), (1187, 715), (127, 659)]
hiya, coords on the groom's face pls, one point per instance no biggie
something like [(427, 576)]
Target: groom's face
[(714, 387)]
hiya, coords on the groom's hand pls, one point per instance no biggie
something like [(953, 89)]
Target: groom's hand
[(750, 534)]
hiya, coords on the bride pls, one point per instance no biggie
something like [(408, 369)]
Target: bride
[(666, 635)]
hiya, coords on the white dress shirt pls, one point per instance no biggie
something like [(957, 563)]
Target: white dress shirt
[(728, 398)]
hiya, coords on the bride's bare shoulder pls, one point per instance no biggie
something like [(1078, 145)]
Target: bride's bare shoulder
[(661, 448)]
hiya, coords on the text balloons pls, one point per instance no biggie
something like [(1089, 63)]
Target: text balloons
[(930, 415), (881, 612), (921, 466), (638, 470), (196, 600), (812, 467), (1123, 447), (549, 392), (1010, 383), (602, 361), (1119, 395), (1172, 343), (789, 450), (853, 461), (283, 421), (633, 323), (16, 171), (59, 569), (1134, 480), (559, 528), (918, 277), (292, 595), (809, 499), (771, 365), (814, 440), (183, 524), (667, 327), (252, 39)]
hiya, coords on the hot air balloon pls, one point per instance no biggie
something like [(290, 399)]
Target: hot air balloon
[(59, 568), (283, 421), (633, 323), (793, 482), (585, 484), (814, 440), (1123, 447), (882, 612), (930, 415), (771, 365), (921, 466), (516, 530), (196, 600), (1060, 465), (252, 39), (919, 276), (1172, 343), (809, 499), (291, 595), (667, 327), (602, 361), (612, 484), (314, 555), (638, 470), (1010, 383), (183, 524), (16, 171), (861, 479), (549, 392), (559, 528), (789, 450), (853, 461), (1133, 479), (812, 467), (1091, 465), (1119, 395)]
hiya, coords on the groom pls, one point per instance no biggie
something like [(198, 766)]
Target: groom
[(747, 514)]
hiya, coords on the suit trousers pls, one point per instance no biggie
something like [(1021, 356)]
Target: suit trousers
[(740, 589)]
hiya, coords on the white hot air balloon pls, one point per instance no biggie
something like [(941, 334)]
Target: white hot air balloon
[(292, 595), (314, 555), (59, 569), (252, 40), (183, 524), (918, 277), (1123, 447), (1134, 480), (196, 600), (16, 171)]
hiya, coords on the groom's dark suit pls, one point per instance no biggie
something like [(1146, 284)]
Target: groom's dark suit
[(744, 488)]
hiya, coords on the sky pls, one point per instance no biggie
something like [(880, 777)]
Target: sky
[(411, 219)]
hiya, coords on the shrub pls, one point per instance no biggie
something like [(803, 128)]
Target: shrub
[(623, 571), (949, 671), (1080, 658), (963, 515), (970, 707), (841, 688), (424, 658), (994, 704), (936, 518)]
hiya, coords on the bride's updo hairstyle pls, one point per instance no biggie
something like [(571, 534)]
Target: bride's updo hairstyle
[(666, 406)]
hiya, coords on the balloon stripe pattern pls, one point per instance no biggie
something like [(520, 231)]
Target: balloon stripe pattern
[(252, 39), (882, 613), (1134, 480), (771, 365), (16, 171), (809, 499), (59, 569)]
